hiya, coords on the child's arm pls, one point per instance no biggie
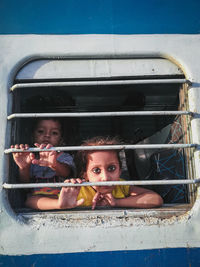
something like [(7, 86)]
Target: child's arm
[(49, 159), (138, 198), (23, 161), (67, 199)]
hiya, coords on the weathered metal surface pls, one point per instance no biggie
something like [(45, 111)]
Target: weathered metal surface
[(96, 68), (108, 217)]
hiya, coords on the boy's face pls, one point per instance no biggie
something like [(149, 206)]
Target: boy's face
[(47, 132), (102, 166)]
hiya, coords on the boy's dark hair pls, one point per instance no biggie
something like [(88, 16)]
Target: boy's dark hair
[(36, 121), (81, 156)]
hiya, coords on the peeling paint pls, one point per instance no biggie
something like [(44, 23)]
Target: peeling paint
[(106, 219)]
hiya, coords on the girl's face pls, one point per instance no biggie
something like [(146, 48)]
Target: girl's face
[(47, 132), (102, 166)]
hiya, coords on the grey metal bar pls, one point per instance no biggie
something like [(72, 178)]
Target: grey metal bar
[(109, 183), (98, 114), (113, 147), (100, 82)]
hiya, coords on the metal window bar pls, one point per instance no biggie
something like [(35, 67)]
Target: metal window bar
[(109, 183), (106, 147), (100, 114), (99, 82)]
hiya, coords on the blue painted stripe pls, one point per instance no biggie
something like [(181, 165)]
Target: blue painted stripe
[(99, 16), (179, 257)]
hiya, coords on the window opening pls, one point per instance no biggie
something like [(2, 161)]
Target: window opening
[(150, 112)]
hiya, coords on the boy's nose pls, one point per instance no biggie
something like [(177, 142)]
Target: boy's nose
[(47, 133)]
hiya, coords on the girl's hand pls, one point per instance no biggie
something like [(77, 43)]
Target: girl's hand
[(103, 200), (68, 195), (111, 201), (22, 159)]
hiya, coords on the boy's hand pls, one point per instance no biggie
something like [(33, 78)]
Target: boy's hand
[(68, 195), (22, 159), (47, 158)]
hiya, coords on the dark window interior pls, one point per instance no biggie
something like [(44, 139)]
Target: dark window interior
[(132, 129)]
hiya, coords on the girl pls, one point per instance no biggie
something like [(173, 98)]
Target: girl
[(99, 166)]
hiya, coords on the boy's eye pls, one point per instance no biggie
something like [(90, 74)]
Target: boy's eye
[(40, 131), (96, 170), (111, 168), (55, 133)]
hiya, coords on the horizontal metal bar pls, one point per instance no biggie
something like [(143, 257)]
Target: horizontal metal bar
[(107, 147), (100, 82), (109, 183), (99, 114)]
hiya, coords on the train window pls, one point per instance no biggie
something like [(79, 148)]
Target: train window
[(141, 100)]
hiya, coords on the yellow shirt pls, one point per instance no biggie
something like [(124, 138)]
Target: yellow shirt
[(87, 193)]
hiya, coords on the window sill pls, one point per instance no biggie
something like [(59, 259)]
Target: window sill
[(84, 217)]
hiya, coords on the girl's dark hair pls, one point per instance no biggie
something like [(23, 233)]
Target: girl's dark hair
[(81, 157)]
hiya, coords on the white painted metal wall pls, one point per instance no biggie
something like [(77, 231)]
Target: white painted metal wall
[(73, 231)]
